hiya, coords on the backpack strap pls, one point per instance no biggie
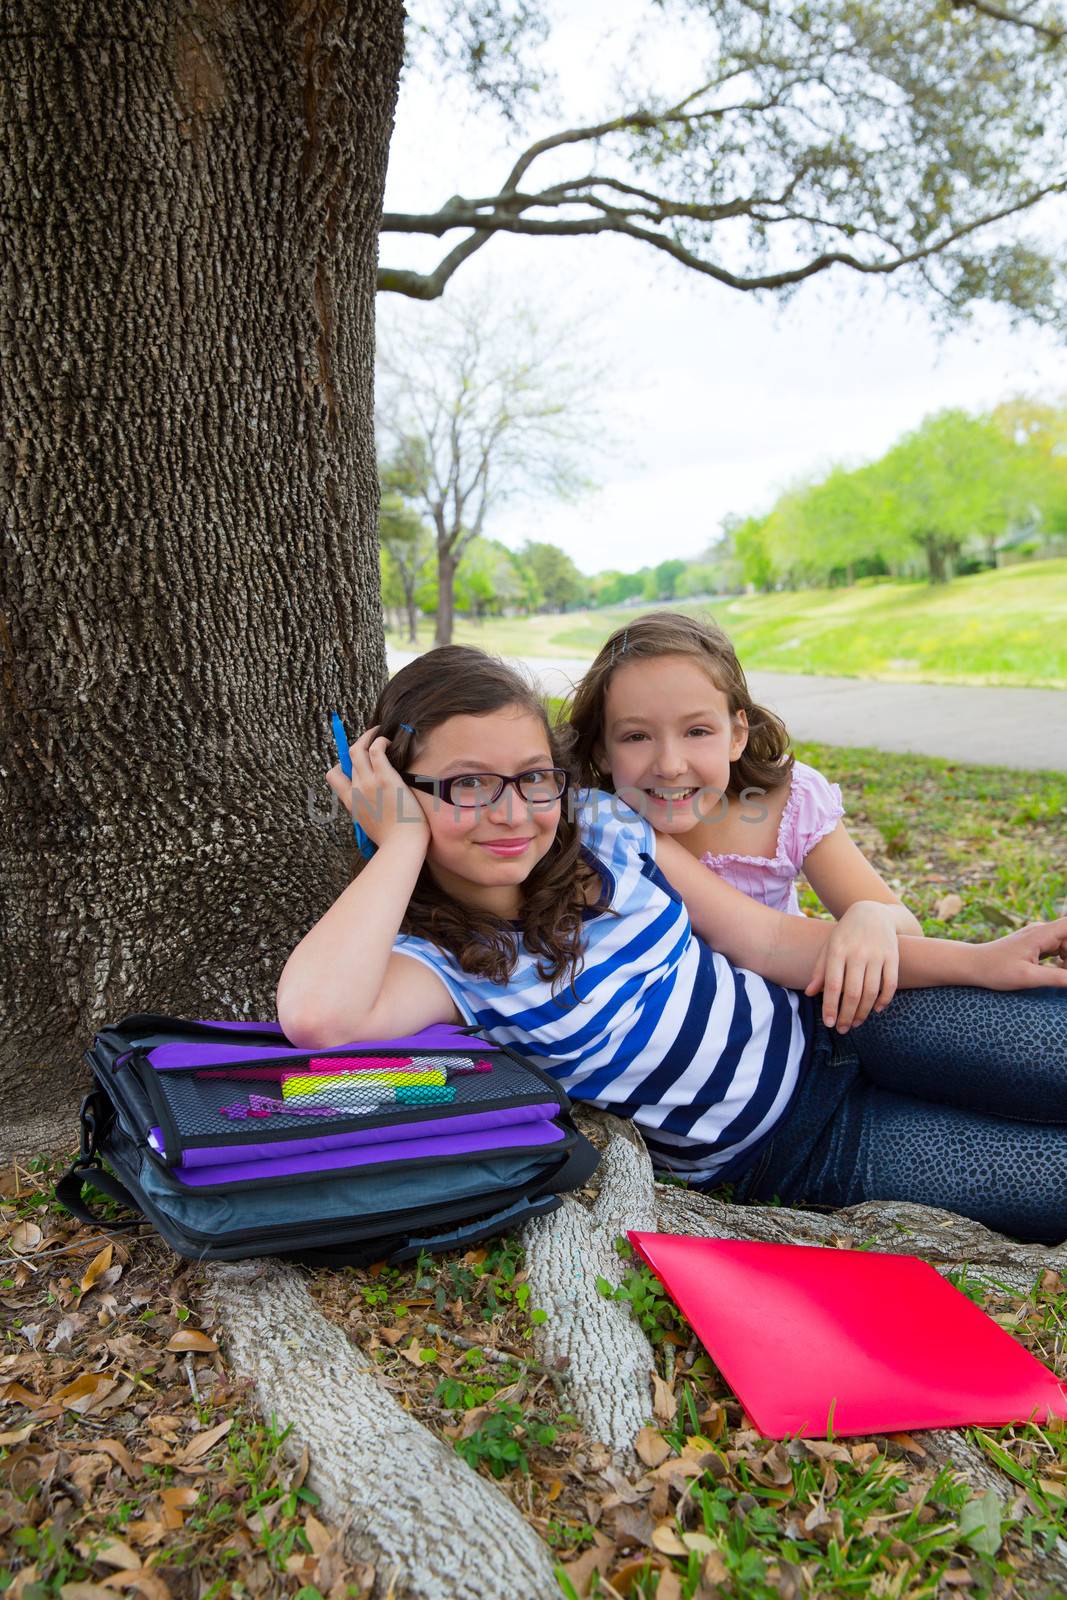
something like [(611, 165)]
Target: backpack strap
[(96, 1114), (474, 1232), (69, 1194)]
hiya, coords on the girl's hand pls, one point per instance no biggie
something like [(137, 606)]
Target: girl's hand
[(858, 966), (1016, 962), (376, 796)]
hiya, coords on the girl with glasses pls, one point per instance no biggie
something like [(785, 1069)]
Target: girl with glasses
[(560, 923)]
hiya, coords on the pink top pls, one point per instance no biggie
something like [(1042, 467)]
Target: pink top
[(812, 811)]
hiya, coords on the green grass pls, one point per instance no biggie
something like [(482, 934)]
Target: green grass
[(1005, 627), (933, 828)]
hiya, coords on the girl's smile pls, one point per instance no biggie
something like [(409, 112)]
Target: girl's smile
[(669, 740), (506, 848)]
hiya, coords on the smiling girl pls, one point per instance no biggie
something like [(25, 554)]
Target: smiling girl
[(646, 985), (664, 718)]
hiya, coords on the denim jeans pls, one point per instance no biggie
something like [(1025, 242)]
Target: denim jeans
[(952, 1097)]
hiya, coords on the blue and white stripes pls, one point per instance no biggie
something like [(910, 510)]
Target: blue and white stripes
[(704, 1056)]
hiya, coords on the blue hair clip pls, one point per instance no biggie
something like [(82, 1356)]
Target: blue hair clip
[(364, 845)]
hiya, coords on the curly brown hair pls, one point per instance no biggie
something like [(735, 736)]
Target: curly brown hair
[(458, 681), (764, 763)]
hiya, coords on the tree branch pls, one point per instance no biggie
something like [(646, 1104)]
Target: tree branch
[(617, 220), (1047, 31)]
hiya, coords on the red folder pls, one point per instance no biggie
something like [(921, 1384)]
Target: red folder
[(816, 1341)]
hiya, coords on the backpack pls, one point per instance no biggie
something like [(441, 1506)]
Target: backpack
[(232, 1142)]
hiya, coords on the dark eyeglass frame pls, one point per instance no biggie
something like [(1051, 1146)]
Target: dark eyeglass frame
[(442, 787)]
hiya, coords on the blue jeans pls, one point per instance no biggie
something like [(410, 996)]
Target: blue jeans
[(953, 1097)]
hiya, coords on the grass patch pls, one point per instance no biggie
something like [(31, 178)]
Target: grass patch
[(935, 829), (1005, 627)]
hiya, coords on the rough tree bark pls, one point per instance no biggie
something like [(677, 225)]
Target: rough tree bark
[(307, 1373), (190, 199)]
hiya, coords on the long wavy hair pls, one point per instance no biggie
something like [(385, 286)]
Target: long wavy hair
[(458, 681), (764, 763)]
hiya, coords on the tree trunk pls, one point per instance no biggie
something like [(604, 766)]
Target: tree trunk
[(410, 611), (446, 602), (935, 559), (191, 199)]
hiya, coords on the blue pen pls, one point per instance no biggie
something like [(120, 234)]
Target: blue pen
[(344, 756)]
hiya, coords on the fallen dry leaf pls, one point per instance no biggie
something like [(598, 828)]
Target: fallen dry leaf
[(25, 1238), (666, 1539), (145, 1581), (176, 1502), (191, 1339), (624, 1578), (319, 1537), (17, 1434), (714, 1569), (597, 1559), (85, 1591), (664, 1404), (906, 1442), (85, 1394), (118, 1452), (949, 906), (98, 1265), (651, 1447), (110, 1552), (201, 1443), (669, 1586)]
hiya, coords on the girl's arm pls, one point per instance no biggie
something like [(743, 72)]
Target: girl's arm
[(786, 949), (748, 933), (343, 981), (862, 953), (841, 876)]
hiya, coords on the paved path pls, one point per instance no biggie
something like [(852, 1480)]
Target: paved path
[(993, 727)]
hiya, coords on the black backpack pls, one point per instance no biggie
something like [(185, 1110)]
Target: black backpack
[(232, 1142)]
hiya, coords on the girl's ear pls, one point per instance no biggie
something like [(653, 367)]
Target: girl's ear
[(739, 737), (600, 756)]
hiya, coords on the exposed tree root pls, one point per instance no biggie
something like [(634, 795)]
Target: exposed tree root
[(406, 1501), (948, 1242), (607, 1354)]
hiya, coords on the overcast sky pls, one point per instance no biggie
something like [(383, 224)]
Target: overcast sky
[(717, 401)]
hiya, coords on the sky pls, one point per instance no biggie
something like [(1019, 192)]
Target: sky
[(714, 401)]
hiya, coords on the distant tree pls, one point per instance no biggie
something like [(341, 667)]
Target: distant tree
[(953, 479), (612, 588), (407, 552), (820, 528), (755, 563), (699, 577), (478, 401), (662, 579), (558, 578), (487, 579), (1041, 427)]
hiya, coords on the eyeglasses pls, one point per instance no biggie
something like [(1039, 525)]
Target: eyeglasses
[(541, 786)]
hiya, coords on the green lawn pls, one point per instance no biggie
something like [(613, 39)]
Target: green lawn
[(1004, 627)]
